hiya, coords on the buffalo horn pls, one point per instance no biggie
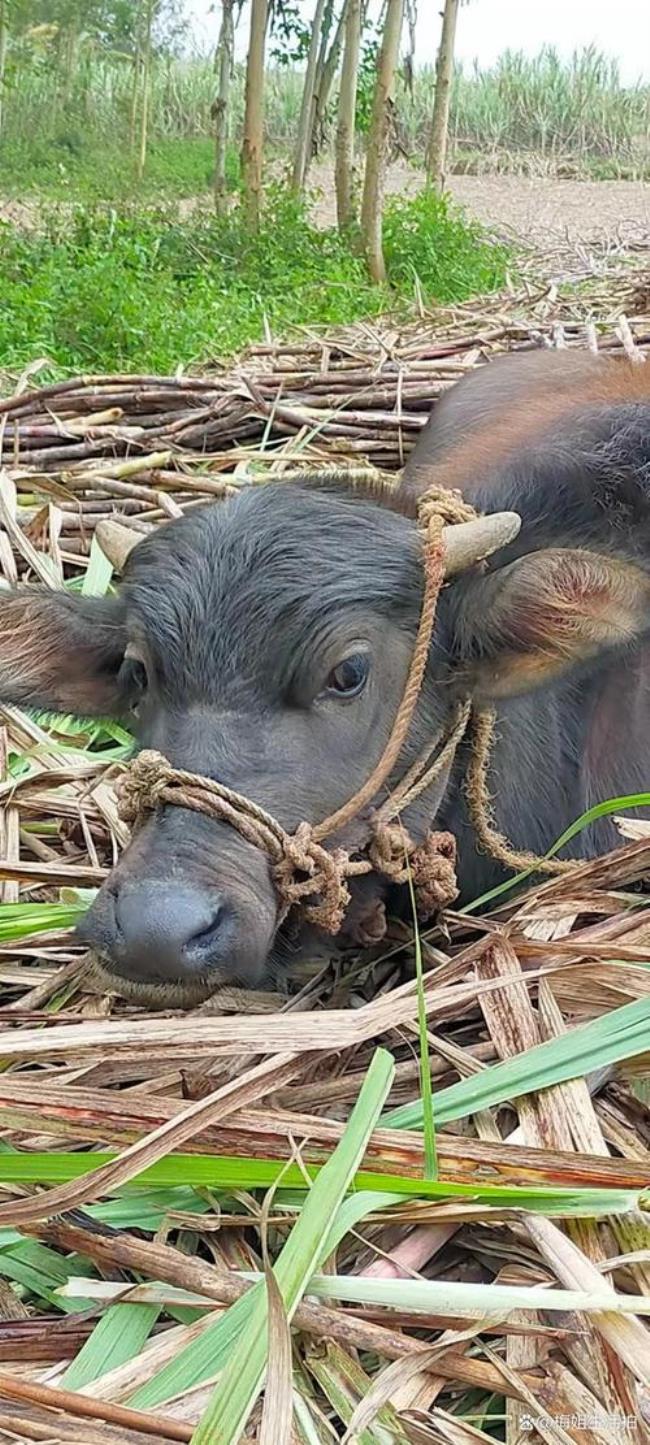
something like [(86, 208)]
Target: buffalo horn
[(116, 542), (470, 542)]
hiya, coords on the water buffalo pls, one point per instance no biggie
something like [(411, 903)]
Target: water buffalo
[(265, 642)]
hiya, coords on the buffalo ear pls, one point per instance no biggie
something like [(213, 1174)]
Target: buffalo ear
[(528, 623), (61, 652)]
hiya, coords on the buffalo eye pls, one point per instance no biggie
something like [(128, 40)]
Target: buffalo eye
[(349, 677)]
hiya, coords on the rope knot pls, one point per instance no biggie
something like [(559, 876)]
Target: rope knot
[(390, 849), (139, 789), (307, 870), (430, 865), (445, 506), (433, 869)]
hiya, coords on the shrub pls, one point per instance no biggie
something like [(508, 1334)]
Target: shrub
[(143, 290), (429, 240)]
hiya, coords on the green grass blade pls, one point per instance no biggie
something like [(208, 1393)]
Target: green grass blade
[(119, 1336), (42, 1271), (345, 1383), (19, 920), (243, 1375), (451, 1297), (599, 810), (426, 1089), (98, 574), (621, 1034), (142, 1209), (199, 1361), (203, 1171), (352, 1211)]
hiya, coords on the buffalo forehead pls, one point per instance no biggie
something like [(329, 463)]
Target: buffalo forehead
[(253, 588)]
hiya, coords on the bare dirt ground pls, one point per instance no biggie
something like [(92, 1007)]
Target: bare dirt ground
[(614, 212), (541, 211), (587, 210)]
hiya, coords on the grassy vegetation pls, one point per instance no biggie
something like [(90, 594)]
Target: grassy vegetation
[(136, 289), (522, 114), (97, 169)]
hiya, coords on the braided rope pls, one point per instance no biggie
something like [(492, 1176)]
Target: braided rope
[(301, 867), (433, 562), (488, 836)]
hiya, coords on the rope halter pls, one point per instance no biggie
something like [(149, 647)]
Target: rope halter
[(310, 876), (306, 874)]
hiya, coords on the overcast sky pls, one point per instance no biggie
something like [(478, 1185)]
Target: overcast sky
[(620, 28)]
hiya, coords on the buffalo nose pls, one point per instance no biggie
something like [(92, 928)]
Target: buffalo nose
[(165, 932)]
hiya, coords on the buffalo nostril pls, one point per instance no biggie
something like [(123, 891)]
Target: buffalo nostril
[(165, 931), (206, 938)]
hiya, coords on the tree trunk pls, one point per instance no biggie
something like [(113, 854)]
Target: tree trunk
[(223, 66), (133, 108), (305, 124), (328, 65), (437, 152), (371, 206), (253, 142), (4, 41), (323, 50), (135, 81), (146, 80), (70, 54), (345, 128)]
